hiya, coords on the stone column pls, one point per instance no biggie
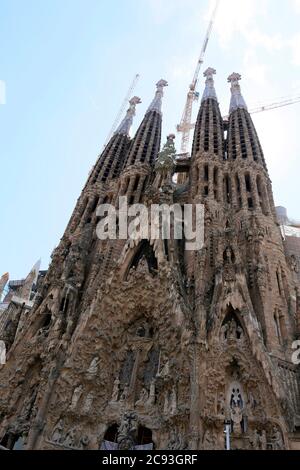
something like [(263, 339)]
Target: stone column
[(138, 194), (220, 187), (211, 181), (243, 191), (254, 191), (130, 187)]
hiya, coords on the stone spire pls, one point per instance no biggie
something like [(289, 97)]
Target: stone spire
[(243, 142), (146, 143), (31, 279), (209, 91), (157, 102), (126, 124), (112, 159), (209, 132), (237, 100)]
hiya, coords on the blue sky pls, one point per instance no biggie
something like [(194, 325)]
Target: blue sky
[(67, 65)]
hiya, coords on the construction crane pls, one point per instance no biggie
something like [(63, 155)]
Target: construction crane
[(278, 104), (123, 108), (186, 125), (268, 107)]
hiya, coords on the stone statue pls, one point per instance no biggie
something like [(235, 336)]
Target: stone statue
[(143, 398), (176, 441), (124, 394), (58, 432), (74, 267), (173, 402), (260, 233), (127, 431), (166, 403), (261, 275), (263, 441), (255, 440), (277, 440), (151, 399), (224, 331), (237, 419), (115, 393), (165, 372), (232, 330), (249, 235), (259, 440), (76, 397), (294, 264), (252, 401), (210, 441), (221, 405), (93, 368), (142, 267), (236, 409), (88, 403), (228, 255), (70, 438), (84, 442)]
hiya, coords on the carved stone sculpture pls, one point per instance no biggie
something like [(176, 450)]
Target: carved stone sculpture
[(76, 397)]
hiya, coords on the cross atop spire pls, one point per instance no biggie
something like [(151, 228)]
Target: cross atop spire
[(209, 91), (126, 124), (157, 102), (237, 100)]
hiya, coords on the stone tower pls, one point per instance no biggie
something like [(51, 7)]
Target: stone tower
[(141, 343)]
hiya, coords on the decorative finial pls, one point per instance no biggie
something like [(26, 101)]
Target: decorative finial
[(237, 100), (126, 124), (161, 84), (209, 91), (210, 72), (171, 138), (234, 77), (157, 102), (134, 101)]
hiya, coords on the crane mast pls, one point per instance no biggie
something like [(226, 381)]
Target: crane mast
[(186, 125), (123, 108)]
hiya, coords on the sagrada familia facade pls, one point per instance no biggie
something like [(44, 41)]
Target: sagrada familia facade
[(143, 344)]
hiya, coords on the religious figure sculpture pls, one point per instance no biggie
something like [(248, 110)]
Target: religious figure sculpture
[(76, 397)]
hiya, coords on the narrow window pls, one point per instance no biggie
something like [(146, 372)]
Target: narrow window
[(248, 183), (205, 172), (136, 183), (227, 189), (216, 172), (278, 283), (277, 328)]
